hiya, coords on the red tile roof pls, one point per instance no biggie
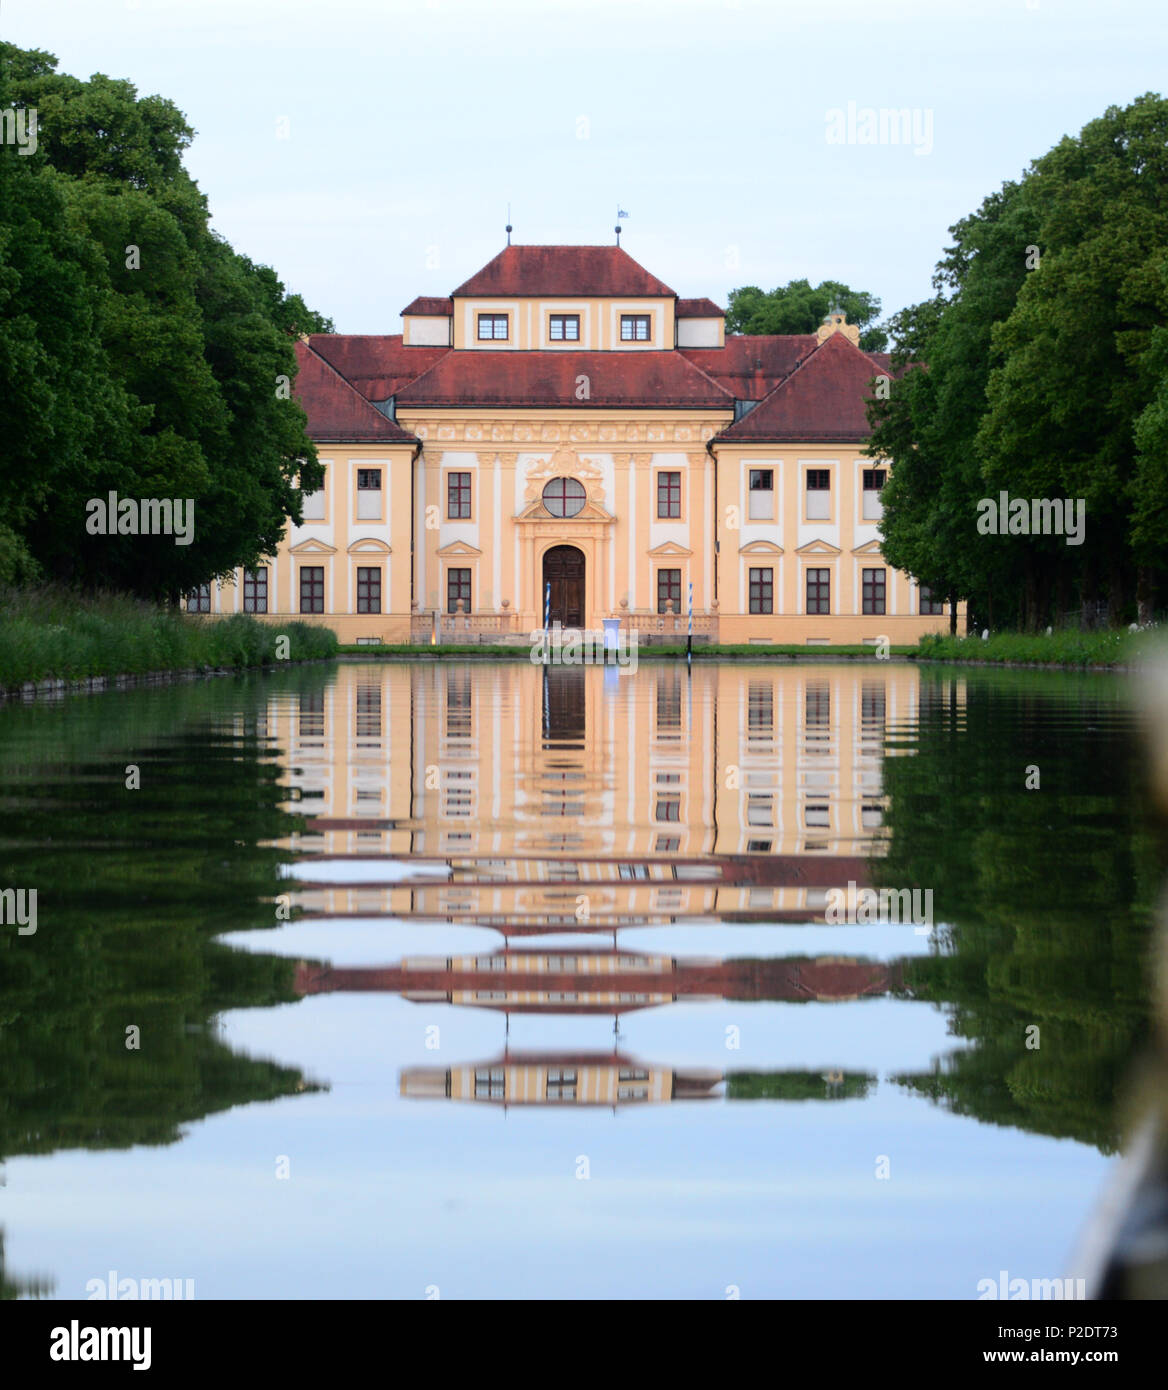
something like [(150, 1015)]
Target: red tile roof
[(699, 309), (751, 367), (336, 412), (822, 399), (378, 365), (564, 270), (498, 378), (429, 306)]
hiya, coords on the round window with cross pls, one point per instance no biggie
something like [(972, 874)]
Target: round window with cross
[(564, 496)]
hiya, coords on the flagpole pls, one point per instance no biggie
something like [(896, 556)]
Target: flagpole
[(547, 617)]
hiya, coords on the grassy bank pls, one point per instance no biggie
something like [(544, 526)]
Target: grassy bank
[(52, 634), (1081, 649)]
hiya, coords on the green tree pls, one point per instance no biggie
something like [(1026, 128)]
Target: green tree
[(798, 308), (138, 352), (1069, 381), (1044, 900), (1045, 378), (929, 422)]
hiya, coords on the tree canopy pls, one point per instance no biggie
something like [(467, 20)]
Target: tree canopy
[(798, 308), (1045, 376), (139, 353)]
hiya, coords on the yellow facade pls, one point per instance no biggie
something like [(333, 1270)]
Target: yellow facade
[(529, 323), (455, 544)]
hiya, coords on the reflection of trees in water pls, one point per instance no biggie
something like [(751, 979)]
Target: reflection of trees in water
[(14, 1286), (131, 887), (798, 1085), (1046, 896)]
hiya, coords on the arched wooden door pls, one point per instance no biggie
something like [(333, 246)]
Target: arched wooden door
[(563, 569)]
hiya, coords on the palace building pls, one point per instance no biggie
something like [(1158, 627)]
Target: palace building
[(564, 424)]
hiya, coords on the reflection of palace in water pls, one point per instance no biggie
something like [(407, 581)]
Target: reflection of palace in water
[(615, 1080), (576, 802), (602, 982), (571, 799), (560, 1079)]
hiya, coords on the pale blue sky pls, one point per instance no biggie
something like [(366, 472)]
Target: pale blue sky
[(411, 126)]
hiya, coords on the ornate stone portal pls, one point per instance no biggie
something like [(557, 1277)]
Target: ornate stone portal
[(590, 530)]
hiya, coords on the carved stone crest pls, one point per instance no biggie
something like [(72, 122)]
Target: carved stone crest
[(564, 463)]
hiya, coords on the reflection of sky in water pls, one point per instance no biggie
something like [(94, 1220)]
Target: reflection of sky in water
[(372, 941), (364, 871), (389, 1195)]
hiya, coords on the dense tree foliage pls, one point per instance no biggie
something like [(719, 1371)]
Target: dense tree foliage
[(798, 308), (139, 353), (128, 916), (1046, 377), (1044, 899)]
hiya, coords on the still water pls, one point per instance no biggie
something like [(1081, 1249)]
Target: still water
[(467, 980)]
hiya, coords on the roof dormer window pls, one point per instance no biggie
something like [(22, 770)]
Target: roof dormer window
[(493, 326), (634, 328)]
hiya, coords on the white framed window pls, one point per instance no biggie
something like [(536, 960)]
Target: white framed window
[(368, 494), (873, 483), (312, 504), (818, 485), (493, 327), (636, 328), (761, 494)]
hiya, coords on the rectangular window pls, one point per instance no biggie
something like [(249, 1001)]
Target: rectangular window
[(873, 706), (668, 808), (368, 716), (199, 600), (668, 494), (762, 591), (818, 494), (311, 707), (873, 483), (312, 505), (819, 591), (817, 705), (458, 496), (761, 505), (458, 704), (873, 584), (457, 588), (564, 328), (492, 326), (561, 1081), (368, 494), (255, 590), (668, 591), (312, 588), (368, 589), (929, 604), (760, 710), (668, 704), (634, 328), (488, 1083)]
